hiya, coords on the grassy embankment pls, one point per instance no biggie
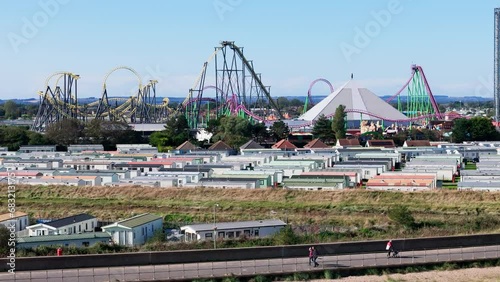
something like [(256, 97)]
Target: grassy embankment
[(358, 212)]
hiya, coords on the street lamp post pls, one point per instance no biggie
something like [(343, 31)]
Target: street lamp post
[(215, 227)]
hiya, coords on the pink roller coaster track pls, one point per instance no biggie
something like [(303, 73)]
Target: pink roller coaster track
[(235, 107), (375, 116), (415, 69), (311, 86)]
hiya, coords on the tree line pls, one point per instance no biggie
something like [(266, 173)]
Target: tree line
[(70, 131), (233, 130), (12, 110), (236, 131)]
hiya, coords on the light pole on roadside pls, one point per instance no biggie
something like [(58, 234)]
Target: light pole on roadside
[(215, 226)]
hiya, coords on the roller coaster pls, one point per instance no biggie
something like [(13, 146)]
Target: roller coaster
[(239, 90), (60, 101), (309, 101), (419, 104)]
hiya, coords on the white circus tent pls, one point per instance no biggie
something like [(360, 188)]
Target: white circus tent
[(354, 97)]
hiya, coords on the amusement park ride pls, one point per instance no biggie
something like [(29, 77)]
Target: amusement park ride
[(60, 102), (237, 89)]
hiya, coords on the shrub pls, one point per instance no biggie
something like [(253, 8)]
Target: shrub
[(286, 236), (401, 215), (260, 278)]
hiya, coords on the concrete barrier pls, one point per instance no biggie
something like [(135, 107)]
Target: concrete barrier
[(189, 256)]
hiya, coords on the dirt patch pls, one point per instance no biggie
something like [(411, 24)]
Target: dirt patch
[(490, 274)]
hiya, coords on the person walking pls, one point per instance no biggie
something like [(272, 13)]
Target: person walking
[(314, 256), (389, 248), (310, 255)]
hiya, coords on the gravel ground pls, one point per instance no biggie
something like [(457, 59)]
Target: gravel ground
[(490, 274)]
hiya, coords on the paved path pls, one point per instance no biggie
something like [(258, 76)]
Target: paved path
[(191, 271)]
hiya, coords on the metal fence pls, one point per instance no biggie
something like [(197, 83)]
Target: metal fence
[(256, 267)]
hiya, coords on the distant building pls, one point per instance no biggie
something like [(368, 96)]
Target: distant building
[(186, 147), (284, 145), (389, 143), (80, 148), (344, 143), (77, 240), (18, 219), (354, 96), (251, 145), (75, 224), (31, 149), (134, 231), (316, 144), (229, 230), (417, 143)]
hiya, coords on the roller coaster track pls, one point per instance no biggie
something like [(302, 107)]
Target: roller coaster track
[(309, 100), (195, 100), (255, 76), (234, 74), (416, 70), (60, 102), (104, 102), (364, 112), (200, 76)]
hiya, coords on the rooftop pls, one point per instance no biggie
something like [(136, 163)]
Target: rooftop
[(49, 238), (7, 216), (138, 220), (236, 225), (69, 220)]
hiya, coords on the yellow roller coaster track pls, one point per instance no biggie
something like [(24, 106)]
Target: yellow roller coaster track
[(201, 74), (123, 110)]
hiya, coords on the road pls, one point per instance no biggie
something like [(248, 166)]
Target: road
[(191, 271)]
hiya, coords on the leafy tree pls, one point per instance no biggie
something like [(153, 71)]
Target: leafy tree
[(36, 138), (286, 236), (422, 134), (323, 129), (213, 126), (482, 129), (13, 137), (282, 102), (456, 104), (400, 138), (474, 129), (177, 128), (159, 139), (401, 215), (11, 110), (65, 132), (279, 130), (442, 108), (109, 133), (259, 132), (460, 131), (296, 103), (338, 123), (234, 131), (4, 240)]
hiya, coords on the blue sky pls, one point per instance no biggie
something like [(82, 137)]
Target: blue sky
[(290, 42)]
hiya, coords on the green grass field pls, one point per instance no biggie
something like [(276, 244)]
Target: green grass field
[(446, 211)]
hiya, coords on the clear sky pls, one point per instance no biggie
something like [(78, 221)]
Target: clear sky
[(291, 43)]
